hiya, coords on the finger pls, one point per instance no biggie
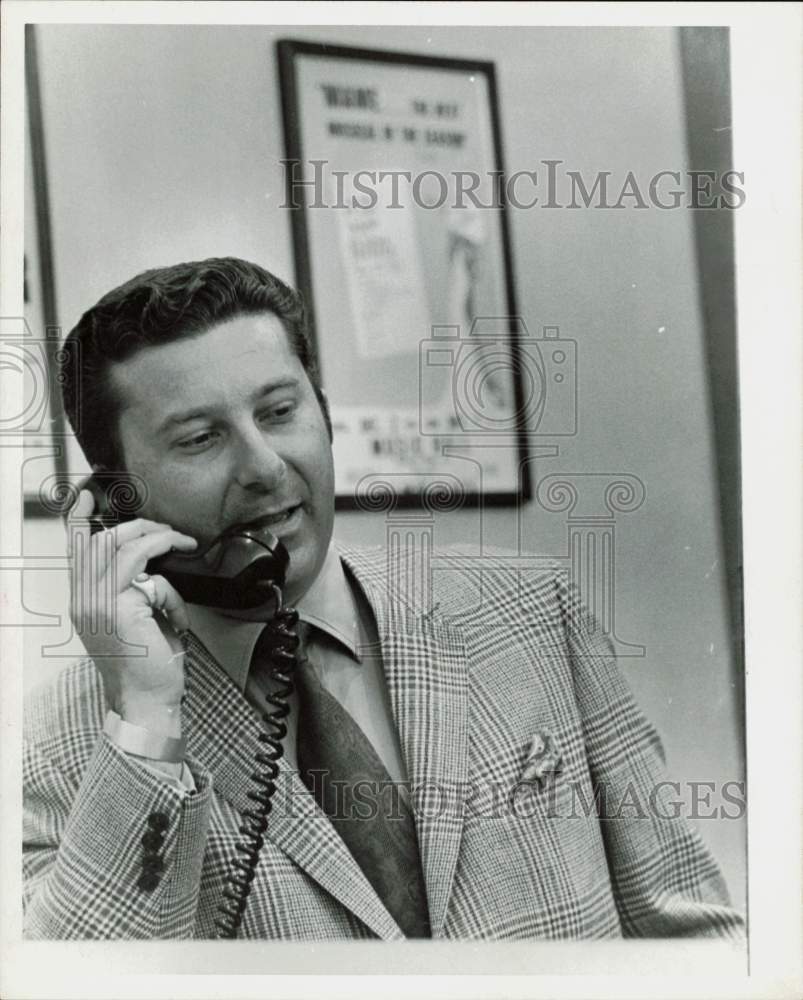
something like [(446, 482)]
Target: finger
[(156, 543), (171, 603), (133, 557), (140, 526), (98, 562)]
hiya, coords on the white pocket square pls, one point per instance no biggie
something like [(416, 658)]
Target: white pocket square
[(543, 759)]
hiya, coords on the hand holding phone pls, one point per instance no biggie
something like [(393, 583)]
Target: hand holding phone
[(132, 632), (134, 643)]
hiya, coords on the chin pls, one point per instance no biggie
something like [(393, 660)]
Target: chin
[(304, 567)]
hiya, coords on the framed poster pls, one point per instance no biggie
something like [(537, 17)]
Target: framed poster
[(396, 188)]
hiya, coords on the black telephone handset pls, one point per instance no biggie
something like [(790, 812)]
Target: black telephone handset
[(240, 569), (235, 571)]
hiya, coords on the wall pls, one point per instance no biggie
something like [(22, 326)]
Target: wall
[(163, 144)]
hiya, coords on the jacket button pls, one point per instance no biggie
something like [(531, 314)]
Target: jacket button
[(158, 821), (152, 840), (152, 863), (148, 881)]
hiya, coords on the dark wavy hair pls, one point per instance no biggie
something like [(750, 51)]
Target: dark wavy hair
[(156, 307)]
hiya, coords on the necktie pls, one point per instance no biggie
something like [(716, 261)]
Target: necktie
[(339, 765)]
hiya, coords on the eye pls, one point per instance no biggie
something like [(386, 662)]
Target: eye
[(279, 411), (198, 442)]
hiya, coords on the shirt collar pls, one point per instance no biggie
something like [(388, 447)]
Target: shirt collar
[(329, 605)]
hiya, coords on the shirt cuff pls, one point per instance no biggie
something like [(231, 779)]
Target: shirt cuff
[(184, 783)]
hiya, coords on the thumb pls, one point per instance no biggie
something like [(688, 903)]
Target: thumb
[(172, 605)]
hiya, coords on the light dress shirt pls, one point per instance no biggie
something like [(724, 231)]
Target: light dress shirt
[(343, 648)]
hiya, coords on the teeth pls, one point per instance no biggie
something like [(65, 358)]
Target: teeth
[(272, 520), (278, 518)]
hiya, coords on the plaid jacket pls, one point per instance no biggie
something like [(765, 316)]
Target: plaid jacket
[(522, 744)]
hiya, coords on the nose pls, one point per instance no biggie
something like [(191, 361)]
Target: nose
[(258, 466)]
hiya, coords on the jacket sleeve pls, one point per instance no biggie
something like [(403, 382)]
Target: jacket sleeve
[(116, 854), (665, 881)]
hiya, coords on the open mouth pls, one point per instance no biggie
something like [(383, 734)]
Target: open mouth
[(270, 520)]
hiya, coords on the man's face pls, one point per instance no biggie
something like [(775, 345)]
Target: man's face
[(225, 427)]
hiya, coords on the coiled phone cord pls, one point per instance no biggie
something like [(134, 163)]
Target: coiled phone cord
[(282, 637)]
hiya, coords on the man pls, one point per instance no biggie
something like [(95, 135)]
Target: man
[(496, 711)]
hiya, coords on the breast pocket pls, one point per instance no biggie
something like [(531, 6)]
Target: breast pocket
[(532, 839)]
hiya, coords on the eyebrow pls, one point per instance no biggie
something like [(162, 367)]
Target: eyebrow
[(198, 412)]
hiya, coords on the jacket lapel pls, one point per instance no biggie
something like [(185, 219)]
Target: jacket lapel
[(223, 735), (427, 676), (425, 667)]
